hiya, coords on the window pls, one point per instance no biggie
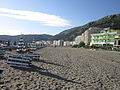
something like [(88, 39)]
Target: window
[(118, 42)]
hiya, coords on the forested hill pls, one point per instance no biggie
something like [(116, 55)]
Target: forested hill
[(112, 21)]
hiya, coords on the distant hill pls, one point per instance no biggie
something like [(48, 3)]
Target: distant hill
[(112, 21), (27, 38)]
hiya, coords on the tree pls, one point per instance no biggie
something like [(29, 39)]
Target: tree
[(81, 44)]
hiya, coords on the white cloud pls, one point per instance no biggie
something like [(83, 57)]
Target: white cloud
[(46, 19), (9, 32)]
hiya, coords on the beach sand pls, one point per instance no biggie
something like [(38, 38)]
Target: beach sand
[(63, 68)]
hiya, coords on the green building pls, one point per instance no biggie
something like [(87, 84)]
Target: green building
[(105, 37)]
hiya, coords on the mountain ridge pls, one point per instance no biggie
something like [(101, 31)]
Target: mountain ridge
[(26, 37)]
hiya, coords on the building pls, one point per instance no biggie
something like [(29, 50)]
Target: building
[(86, 36), (55, 43), (78, 39), (40, 44), (5, 43), (106, 37), (72, 43), (66, 43), (58, 43)]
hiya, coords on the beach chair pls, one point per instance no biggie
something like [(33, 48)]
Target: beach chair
[(19, 61), (33, 56), (2, 55)]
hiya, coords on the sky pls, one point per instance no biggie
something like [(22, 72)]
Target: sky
[(51, 16)]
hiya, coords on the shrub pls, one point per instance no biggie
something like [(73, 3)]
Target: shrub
[(75, 46), (81, 44), (105, 47), (95, 47), (87, 46)]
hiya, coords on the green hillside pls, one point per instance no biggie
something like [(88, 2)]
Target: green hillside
[(112, 21)]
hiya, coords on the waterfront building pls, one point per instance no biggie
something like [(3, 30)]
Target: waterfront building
[(40, 44), (5, 43), (72, 43), (106, 37), (86, 36), (78, 39), (66, 43), (58, 43), (55, 43)]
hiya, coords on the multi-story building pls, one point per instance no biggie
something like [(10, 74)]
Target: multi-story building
[(86, 36), (105, 37), (78, 39), (58, 43)]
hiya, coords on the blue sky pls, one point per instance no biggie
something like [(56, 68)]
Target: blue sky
[(51, 16)]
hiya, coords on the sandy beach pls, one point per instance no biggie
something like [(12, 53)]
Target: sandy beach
[(63, 68)]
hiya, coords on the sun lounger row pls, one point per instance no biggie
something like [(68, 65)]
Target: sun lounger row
[(19, 61)]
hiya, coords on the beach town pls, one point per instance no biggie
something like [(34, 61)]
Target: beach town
[(45, 65), (59, 45)]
